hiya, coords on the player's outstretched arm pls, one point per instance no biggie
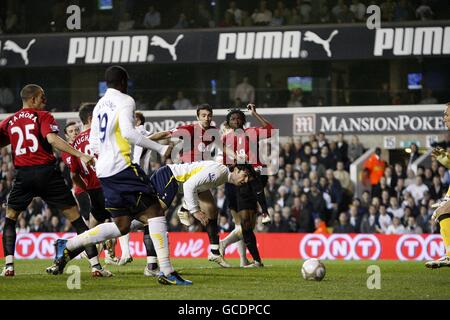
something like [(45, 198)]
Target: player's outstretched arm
[(264, 122), (160, 135), (60, 144), (132, 135)]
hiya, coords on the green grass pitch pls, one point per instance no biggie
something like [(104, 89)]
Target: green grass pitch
[(278, 280)]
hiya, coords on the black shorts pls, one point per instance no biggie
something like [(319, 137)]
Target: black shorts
[(242, 197), (84, 204), (43, 181), (128, 192), (98, 210)]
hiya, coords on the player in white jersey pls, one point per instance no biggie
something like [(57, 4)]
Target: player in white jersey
[(196, 178), (128, 192)]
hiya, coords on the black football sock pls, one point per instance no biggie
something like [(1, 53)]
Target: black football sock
[(213, 234), (150, 248), (258, 190), (250, 242), (9, 237)]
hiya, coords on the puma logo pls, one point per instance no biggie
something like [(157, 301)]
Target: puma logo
[(14, 47), (160, 42), (311, 36)]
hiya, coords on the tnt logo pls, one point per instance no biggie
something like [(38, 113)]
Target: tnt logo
[(415, 247), (304, 124), (340, 246)]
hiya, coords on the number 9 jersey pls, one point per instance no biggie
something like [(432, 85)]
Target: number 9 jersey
[(111, 128), (27, 130)]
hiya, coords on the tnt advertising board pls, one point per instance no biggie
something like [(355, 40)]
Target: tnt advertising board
[(271, 245)]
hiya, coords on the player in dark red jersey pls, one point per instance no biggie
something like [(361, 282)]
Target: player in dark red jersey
[(33, 133), (199, 140), (71, 130), (242, 145)]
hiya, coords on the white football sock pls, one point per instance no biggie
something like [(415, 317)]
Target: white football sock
[(158, 232), (94, 261), (152, 259), (9, 259), (125, 246), (102, 232), (233, 236)]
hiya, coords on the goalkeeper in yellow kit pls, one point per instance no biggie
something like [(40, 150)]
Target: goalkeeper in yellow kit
[(442, 213)]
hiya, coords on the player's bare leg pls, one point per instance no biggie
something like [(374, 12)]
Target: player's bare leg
[(208, 206), (235, 236), (248, 222), (9, 242), (442, 216)]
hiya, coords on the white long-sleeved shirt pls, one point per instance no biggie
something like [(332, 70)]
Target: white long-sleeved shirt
[(113, 133), (142, 156), (197, 177)]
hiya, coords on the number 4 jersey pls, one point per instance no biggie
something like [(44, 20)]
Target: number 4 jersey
[(27, 130)]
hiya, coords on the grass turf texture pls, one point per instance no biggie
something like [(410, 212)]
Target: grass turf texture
[(279, 280)]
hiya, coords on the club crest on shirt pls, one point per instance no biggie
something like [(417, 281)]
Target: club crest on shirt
[(211, 176)]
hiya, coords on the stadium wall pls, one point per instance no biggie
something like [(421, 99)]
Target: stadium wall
[(405, 247)]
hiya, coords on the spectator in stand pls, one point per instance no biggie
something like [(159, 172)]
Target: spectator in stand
[(428, 97), (262, 16), (315, 166), (152, 19), (202, 17), (221, 201), (343, 177), (396, 227), (268, 96), (228, 20), (294, 102), (318, 204), (324, 14), (322, 140), (182, 103), (326, 159), (182, 22), (294, 18), (381, 186), (126, 23), (304, 8), (413, 155), (287, 152), (164, 104), (423, 219), (437, 191), (376, 166), (320, 226), (387, 10), (278, 224), (403, 11), (6, 96), (54, 224), (359, 10), (22, 226), (384, 219), (235, 12), (370, 221), (246, 20), (355, 218), (412, 227), (245, 91), (224, 224), (345, 15), (277, 19), (337, 9), (355, 149), (417, 189), (343, 225), (37, 225), (424, 12)]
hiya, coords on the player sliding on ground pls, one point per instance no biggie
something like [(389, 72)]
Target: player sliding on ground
[(197, 178), (33, 133), (127, 190), (442, 214)]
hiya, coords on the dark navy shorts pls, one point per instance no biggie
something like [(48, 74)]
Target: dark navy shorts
[(165, 185), (128, 192)]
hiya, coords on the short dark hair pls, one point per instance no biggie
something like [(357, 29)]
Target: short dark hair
[(116, 76), (140, 116), (86, 110), (29, 91), (68, 124), (204, 106), (233, 111)]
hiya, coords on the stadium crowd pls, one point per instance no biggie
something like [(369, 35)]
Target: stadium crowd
[(20, 17), (312, 192)]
